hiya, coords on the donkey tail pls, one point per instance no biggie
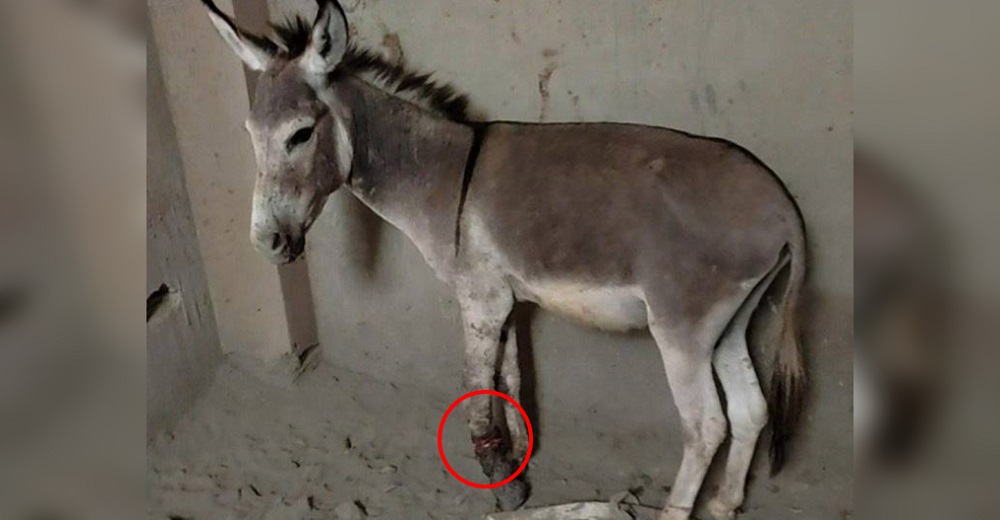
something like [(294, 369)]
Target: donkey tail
[(786, 393)]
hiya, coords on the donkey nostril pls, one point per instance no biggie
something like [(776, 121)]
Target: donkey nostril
[(276, 241), (297, 246)]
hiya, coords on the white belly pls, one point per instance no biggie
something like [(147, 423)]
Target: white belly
[(608, 308)]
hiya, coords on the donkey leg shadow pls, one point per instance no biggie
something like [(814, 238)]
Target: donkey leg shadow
[(522, 316)]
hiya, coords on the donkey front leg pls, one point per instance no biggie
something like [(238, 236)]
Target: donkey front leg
[(485, 308)]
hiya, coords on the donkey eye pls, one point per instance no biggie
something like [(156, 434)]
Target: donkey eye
[(300, 137)]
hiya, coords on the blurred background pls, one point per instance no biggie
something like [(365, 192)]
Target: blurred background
[(81, 84), (72, 170), (926, 250)]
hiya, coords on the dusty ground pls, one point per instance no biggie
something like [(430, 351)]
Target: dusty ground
[(341, 445)]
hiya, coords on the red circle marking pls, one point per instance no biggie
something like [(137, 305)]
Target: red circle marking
[(531, 439)]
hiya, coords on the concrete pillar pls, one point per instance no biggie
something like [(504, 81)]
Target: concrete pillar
[(206, 90)]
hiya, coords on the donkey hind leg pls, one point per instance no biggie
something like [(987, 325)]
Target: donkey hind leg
[(746, 404), (687, 358), (510, 382), (484, 311), (747, 413)]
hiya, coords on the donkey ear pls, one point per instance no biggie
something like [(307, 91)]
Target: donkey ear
[(328, 42), (255, 51)]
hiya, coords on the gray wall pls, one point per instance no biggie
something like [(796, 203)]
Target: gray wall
[(182, 343), (205, 88), (772, 75)]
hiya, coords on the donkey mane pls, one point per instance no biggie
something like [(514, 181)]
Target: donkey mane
[(442, 98)]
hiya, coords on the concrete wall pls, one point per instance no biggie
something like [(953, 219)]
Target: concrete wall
[(772, 75), (205, 89), (182, 342)]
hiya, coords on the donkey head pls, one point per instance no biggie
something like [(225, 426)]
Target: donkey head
[(298, 128)]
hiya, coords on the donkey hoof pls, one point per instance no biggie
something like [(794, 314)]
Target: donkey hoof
[(511, 496), (675, 514), (717, 509)]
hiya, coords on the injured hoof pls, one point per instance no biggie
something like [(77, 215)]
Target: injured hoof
[(511, 496), (493, 452)]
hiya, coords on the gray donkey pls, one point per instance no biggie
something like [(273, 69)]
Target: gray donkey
[(619, 226)]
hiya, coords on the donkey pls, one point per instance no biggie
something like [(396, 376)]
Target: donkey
[(619, 226)]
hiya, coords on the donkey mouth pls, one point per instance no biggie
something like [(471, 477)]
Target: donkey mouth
[(290, 252), (284, 250)]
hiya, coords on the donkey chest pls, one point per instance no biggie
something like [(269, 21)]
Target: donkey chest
[(607, 308)]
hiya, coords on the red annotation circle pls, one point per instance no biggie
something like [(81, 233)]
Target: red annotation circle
[(531, 439)]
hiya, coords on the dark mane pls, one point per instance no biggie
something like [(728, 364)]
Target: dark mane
[(440, 97), (293, 35)]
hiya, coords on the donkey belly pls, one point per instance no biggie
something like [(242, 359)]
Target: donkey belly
[(608, 308)]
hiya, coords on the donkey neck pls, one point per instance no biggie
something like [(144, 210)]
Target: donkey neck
[(408, 167)]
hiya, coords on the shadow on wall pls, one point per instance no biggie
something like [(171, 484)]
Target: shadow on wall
[(364, 233), (528, 397)]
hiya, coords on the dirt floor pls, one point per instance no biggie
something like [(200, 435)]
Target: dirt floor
[(341, 445)]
